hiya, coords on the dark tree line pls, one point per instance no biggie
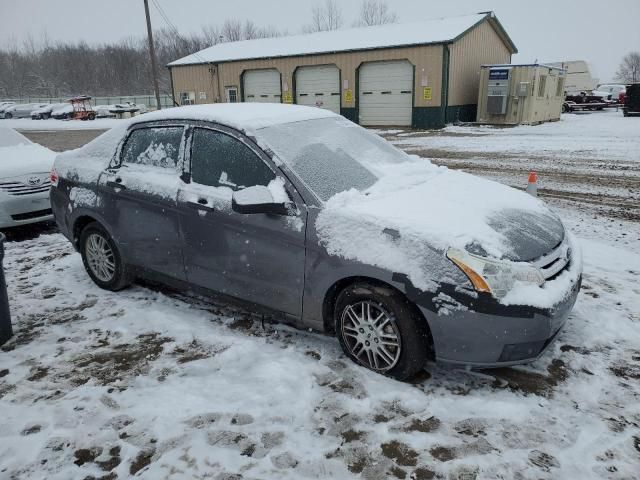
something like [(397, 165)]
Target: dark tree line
[(120, 68), (46, 69)]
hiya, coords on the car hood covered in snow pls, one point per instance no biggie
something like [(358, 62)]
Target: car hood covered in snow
[(19, 156), (417, 209)]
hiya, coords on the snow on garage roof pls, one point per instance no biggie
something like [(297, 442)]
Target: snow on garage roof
[(363, 38), (242, 116)]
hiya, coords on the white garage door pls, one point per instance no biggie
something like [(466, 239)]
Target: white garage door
[(386, 93), (262, 86), (319, 87)]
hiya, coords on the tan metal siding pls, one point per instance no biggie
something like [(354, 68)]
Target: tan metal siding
[(481, 45), (194, 78), (427, 61)]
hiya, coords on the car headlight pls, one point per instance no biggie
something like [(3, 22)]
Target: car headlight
[(494, 276)]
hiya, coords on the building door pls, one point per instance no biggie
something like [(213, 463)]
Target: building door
[(319, 87), (262, 86), (385, 93), (231, 94)]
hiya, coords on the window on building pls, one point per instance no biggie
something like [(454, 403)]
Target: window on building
[(232, 94), (560, 87), (187, 98), (156, 147), (542, 86), (220, 160)]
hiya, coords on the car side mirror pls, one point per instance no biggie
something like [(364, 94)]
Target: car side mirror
[(257, 199)]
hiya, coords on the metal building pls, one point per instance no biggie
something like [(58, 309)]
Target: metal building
[(520, 94), (422, 74)]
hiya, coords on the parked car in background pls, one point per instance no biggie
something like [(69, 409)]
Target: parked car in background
[(632, 100), (45, 112), (104, 111), (337, 231), (611, 91), (24, 180), (4, 106), (22, 110), (63, 112)]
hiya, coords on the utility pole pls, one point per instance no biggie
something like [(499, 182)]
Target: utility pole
[(152, 53)]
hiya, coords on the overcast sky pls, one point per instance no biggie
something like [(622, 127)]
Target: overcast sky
[(600, 32)]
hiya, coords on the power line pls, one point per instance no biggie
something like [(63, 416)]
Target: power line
[(172, 27)]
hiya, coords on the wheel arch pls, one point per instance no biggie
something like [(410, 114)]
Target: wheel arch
[(338, 286)]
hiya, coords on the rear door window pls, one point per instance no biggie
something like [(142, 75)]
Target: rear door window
[(156, 147), (221, 160)]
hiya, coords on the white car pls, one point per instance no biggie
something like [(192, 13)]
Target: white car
[(612, 90), (22, 110), (62, 112), (24, 180), (45, 112)]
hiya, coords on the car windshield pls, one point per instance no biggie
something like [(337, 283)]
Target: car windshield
[(330, 155)]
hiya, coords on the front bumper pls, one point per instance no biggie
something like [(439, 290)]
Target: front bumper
[(25, 209), (497, 336)]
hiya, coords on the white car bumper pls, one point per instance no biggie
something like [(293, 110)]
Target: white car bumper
[(23, 206)]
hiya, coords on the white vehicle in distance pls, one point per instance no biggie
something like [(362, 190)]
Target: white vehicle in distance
[(4, 106), (612, 90), (24, 180), (22, 110), (62, 112), (45, 112)]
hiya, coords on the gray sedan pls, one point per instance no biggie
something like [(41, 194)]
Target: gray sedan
[(298, 212)]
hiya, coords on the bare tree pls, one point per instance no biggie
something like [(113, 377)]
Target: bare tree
[(375, 12), (324, 17), (629, 70), (232, 30)]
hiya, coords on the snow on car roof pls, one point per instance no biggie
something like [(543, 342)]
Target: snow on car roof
[(242, 116), (362, 38)]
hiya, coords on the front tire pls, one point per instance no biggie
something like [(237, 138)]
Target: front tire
[(102, 259), (379, 329)]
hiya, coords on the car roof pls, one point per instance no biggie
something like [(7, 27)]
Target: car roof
[(242, 116)]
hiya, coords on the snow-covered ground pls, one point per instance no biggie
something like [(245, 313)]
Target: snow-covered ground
[(161, 384)]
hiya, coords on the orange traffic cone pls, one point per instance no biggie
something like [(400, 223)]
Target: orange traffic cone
[(532, 184)]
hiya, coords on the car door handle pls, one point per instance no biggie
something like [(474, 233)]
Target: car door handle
[(116, 184), (201, 204)]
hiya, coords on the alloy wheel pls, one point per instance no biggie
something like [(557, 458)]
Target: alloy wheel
[(100, 257), (371, 335)]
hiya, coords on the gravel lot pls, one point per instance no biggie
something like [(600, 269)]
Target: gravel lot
[(163, 384)]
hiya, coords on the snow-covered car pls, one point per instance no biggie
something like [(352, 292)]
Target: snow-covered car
[(4, 106), (24, 180), (611, 91), (45, 112), (63, 112), (296, 210), (104, 111), (22, 110)]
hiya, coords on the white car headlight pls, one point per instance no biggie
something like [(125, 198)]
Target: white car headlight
[(494, 276)]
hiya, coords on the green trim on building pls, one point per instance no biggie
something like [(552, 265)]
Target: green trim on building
[(427, 117), (462, 113), (350, 114)]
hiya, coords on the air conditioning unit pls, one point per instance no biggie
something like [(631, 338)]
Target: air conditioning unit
[(497, 104)]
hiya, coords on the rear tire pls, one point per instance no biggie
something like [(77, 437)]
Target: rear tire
[(379, 329), (102, 259)]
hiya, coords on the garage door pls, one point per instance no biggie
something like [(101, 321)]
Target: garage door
[(262, 86), (386, 93), (319, 87)]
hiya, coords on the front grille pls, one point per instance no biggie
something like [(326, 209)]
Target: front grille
[(19, 188), (30, 215), (555, 262)]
